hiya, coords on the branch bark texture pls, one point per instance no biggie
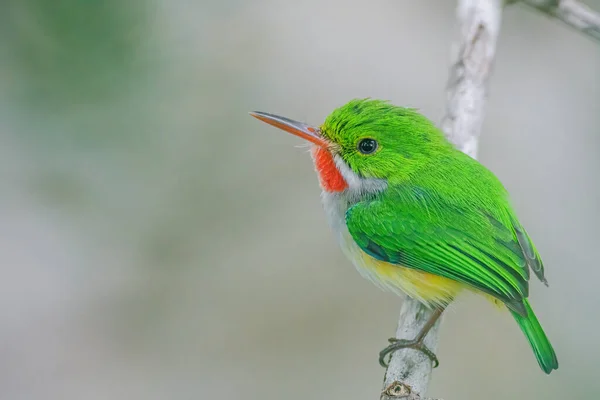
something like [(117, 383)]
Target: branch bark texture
[(409, 371), (571, 12)]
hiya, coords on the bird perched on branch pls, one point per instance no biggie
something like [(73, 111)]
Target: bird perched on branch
[(416, 215)]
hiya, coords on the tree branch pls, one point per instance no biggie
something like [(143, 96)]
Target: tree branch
[(409, 371), (571, 12)]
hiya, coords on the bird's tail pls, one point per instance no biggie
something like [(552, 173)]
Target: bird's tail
[(540, 344)]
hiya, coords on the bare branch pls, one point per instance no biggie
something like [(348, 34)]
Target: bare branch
[(409, 371), (571, 12), (479, 22)]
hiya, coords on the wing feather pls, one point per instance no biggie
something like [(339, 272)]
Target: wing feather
[(464, 243)]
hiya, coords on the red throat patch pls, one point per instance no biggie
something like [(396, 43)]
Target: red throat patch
[(329, 176)]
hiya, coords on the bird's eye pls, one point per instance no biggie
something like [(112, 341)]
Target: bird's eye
[(367, 146)]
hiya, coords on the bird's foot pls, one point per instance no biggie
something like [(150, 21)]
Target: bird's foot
[(397, 344)]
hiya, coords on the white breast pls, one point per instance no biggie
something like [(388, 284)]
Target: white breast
[(337, 203)]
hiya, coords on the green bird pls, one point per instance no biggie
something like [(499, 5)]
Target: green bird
[(417, 216)]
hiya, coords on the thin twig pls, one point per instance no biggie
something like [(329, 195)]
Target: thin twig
[(573, 13), (409, 371)]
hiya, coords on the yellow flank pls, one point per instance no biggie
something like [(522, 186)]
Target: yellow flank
[(428, 288)]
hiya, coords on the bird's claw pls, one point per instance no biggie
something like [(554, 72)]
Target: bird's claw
[(397, 344)]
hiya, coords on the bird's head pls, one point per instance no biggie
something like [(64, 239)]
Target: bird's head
[(366, 141)]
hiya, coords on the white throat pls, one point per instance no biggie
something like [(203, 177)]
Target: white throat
[(358, 187), (337, 203)]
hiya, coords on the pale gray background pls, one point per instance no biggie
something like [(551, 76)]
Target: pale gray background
[(158, 243)]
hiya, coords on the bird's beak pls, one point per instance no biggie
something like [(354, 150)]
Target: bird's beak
[(294, 127)]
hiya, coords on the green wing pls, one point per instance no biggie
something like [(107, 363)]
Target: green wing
[(461, 241)]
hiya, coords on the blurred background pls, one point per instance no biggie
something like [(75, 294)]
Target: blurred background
[(158, 243)]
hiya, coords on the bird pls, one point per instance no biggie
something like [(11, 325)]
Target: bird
[(420, 218)]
